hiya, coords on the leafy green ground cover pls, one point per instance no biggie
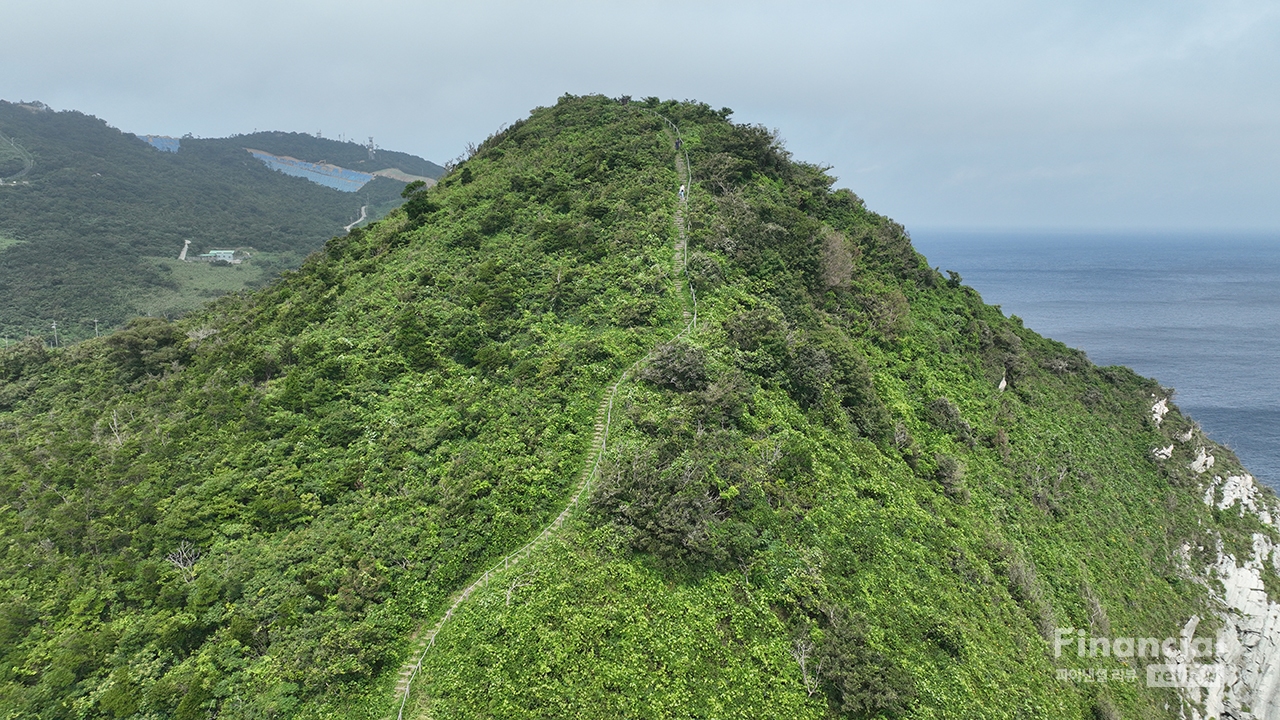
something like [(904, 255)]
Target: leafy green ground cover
[(819, 505)]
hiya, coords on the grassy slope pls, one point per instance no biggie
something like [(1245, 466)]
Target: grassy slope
[(196, 283), (355, 443)]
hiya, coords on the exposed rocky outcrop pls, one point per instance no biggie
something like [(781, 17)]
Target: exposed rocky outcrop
[(1249, 640), (1159, 410), (1203, 462)]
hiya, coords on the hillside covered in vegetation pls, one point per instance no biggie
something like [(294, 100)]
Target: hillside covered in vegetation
[(848, 489), (92, 229)]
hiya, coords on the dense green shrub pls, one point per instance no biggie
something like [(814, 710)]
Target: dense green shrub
[(946, 415), (147, 346), (678, 366), (950, 474), (861, 682), (22, 358)]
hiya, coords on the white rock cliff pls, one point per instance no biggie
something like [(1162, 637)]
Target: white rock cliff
[(1249, 641)]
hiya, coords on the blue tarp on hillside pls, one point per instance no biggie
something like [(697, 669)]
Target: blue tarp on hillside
[(161, 142), (338, 178)]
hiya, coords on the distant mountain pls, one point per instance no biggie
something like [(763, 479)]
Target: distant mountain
[(92, 219), (347, 154)]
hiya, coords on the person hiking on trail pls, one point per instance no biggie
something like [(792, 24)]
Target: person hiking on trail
[(682, 192), (679, 142)]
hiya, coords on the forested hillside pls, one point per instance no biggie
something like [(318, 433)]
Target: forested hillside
[(92, 230), (849, 489)]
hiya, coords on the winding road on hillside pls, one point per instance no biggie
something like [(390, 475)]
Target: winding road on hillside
[(603, 423), (347, 228), (28, 161)]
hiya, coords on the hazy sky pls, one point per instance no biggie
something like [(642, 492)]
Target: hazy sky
[(982, 114)]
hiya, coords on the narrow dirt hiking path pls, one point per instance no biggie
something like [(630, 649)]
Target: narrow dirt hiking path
[(599, 441), (681, 258)]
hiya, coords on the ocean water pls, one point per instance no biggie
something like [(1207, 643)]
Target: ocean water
[(1199, 313)]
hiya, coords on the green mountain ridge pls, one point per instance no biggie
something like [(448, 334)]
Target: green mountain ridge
[(852, 489), (95, 224)]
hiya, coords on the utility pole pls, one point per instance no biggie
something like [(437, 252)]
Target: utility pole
[(95, 327), (55, 333)]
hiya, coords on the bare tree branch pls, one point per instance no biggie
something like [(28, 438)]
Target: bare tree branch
[(802, 650), (185, 559), (516, 582)]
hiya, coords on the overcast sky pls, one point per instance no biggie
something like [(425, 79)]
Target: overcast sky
[(983, 114)]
